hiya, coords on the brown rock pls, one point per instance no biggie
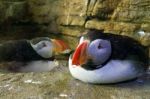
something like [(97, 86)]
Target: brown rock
[(72, 17), (111, 26), (132, 11), (12, 10), (103, 9)]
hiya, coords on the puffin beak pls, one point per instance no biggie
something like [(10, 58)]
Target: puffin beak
[(80, 55), (60, 47)]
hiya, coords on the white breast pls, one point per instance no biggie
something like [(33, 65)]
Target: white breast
[(39, 66), (113, 72)]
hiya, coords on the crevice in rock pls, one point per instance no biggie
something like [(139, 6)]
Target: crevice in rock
[(89, 16), (94, 5), (72, 26), (88, 3)]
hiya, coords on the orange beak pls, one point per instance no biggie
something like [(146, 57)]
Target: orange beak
[(80, 55), (60, 46)]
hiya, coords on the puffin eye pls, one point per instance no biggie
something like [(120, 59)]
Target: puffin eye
[(99, 46), (44, 44)]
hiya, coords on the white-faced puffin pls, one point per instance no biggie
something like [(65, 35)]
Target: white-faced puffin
[(103, 58), (31, 55)]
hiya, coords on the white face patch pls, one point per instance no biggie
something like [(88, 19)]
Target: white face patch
[(44, 48), (99, 50)]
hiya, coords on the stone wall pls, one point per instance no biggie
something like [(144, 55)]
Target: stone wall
[(72, 17), (12, 10)]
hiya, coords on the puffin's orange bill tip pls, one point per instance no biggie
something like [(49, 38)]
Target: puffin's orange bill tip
[(80, 56), (61, 45)]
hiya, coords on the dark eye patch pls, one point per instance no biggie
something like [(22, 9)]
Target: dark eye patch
[(99, 46), (43, 44)]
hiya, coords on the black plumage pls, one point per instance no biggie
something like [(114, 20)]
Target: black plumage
[(122, 46), (19, 50)]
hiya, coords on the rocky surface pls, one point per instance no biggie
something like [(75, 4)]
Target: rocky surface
[(12, 10), (68, 19), (72, 17), (59, 84)]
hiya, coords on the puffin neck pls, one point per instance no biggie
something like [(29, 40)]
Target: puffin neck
[(91, 66)]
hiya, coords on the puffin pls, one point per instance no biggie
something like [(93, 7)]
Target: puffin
[(35, 55), (106, 58)]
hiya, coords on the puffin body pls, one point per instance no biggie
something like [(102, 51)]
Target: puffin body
[(31, 55), (107, 58), (20, 50)]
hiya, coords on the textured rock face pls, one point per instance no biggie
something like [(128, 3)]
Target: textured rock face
[(12, 10), (72, 17), (30, 18), (59, 84), (132, 10), (64, 12)]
